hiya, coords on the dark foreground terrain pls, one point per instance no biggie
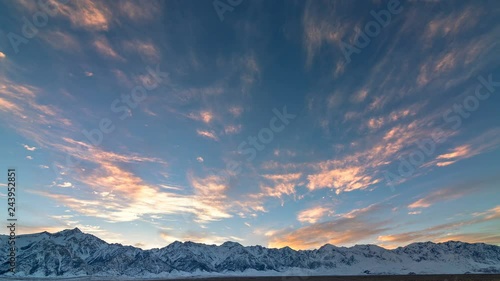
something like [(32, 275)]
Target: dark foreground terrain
[(468, 277)]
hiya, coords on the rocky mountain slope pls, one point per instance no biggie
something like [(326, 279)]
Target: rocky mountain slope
[(73, 253)]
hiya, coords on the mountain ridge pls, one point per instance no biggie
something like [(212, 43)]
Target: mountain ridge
[(72, 252)]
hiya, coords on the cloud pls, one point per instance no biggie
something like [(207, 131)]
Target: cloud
[(232, 129), (212, 185), (440, 232), (277, 185), (198, 236), (454, 192), (452, 24), (492, 238), (63, 41), (29, 157), (147, 50), (43, 166), (207, 134), (113, 193), (140, 13), (103, 47), (322, 25), (2, 56), (8, 106), (287, 152), (88, 74), (342, 179), (360, 96), (200, 159), (478, 145), (170, 187), (127, 196), (204, 116), (250, 71), (442, 164), (65, 184), (312, 215), (88, 15), (140, 245), (30, 148), (395, 116), (236, 111), (491, 214), (457, 152), (345, 229)]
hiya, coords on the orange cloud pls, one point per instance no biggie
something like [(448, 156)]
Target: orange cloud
[(145, 49), (441, 232), (61, 41), (458, 152), (86, 14), (140, 13), (312, 215), (453, 192), (282, 184), (442, 164), (102, 46), (204, 116), (232, 129), (207, 134), (346, 229), (236, 110), (8, 106), (342, 179)]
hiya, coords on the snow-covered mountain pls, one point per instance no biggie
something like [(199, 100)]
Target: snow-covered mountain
[(73, 253)]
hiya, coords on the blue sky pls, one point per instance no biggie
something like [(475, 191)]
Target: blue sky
[(279, 123)]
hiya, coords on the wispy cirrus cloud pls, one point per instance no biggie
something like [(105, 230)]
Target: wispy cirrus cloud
[(232, 129), (103, 47), (140, 13), (207, 134), (129, 197), (314, 214), (454, 192), (63, 41), (88, 15), (280, 184), (441, 232), (484, 142), (236, 111), (205, 116), (147, 50), (345, 229)]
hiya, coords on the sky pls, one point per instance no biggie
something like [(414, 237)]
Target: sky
[(278, 123)]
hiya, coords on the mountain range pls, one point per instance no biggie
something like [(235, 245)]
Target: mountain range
[(71, 253)]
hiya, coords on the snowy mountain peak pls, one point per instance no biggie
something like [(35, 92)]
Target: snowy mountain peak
[(73, 253), (230, 244), (73, 231)]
